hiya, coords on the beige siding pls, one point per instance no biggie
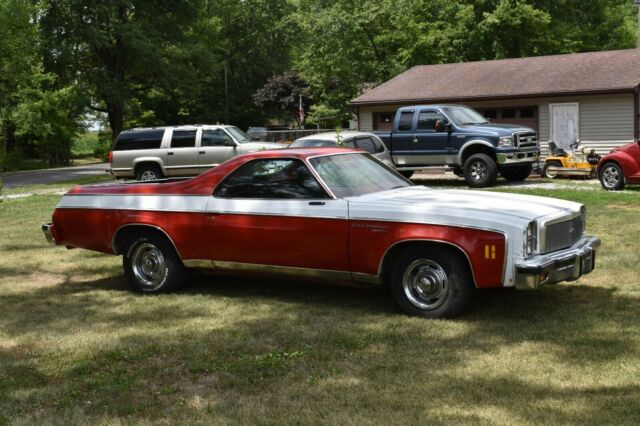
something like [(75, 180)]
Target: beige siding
[(606, 121)]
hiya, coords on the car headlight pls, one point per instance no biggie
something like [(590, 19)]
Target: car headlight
[(530, 244), (505, 141)]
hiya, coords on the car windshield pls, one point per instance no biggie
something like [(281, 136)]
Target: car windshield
[(350, 175), (300, 143), (238, 135), (463, 116)]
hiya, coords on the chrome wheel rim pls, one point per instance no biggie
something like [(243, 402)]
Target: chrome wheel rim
[(610, 176), (148, 175), (149, 266), (478, 170), (425, 284)]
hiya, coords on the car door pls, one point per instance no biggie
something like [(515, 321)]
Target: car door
[(404, 148), (182, 155), (216, 147), (431, 138), (274, 212)]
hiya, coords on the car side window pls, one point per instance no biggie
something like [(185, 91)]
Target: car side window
[(271, 178), (406, 120), (427, 120), (183, 139), (217, 137), (349, 143), (367, 144), (144, 139)]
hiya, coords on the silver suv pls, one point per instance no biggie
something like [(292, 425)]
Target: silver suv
[(154, 153)]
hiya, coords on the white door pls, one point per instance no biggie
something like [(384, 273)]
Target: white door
[(565, 126)]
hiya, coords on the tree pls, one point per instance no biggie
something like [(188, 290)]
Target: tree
[(281, 95)]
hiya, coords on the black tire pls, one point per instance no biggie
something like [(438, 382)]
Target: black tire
[(545, 168), (611, 177), (147, 172), (516, 174), (458, 171), (480, 171), (406, 173), (432, 282), (152, 265)]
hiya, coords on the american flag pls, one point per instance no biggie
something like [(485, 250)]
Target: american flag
[(301, 111)]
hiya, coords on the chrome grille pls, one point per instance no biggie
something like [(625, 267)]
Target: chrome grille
[(526, 139), (563, 234)]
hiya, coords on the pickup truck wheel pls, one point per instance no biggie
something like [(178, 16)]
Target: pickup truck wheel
[(432, 283), (516, 174), (480, 171), (151, 265), (545, 169), (148, 172), (406, 173), (611, 177)]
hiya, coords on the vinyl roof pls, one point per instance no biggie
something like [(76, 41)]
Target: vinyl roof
[(576, 73)]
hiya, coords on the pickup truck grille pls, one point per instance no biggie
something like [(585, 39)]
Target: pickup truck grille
[(526, 140), (563, 234)]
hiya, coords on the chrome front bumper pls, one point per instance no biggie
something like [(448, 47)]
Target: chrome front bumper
[(563, 265), (516, 157), (46, 229)]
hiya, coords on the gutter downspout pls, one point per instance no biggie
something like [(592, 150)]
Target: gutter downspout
[(636, 114)]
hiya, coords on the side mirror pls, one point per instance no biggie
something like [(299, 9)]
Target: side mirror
[(443, 126)]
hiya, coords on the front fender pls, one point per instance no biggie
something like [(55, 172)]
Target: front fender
[(471, 143)]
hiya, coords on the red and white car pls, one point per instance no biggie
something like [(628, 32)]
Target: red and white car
[(329, 213)]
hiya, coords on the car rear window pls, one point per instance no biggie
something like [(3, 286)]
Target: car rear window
[(143, 139)]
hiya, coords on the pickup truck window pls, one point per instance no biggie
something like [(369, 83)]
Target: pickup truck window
[(183, 139), (350, 175), (216, 137), (406, 120), (463, 116), (282, 179), (427, 120)]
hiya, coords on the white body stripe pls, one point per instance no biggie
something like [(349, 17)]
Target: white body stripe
[(167, 203), (331, 209)]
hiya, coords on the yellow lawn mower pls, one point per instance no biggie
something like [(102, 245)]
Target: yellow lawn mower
[(580, 162)]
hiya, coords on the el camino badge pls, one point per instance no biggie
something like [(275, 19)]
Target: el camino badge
[(372, 226)]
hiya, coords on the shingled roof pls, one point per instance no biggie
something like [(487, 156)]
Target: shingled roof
[(577, 73)]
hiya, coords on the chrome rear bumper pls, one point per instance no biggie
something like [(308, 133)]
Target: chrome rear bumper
[(46, 229), (562, 265)]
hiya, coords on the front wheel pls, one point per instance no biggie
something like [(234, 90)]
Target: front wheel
[(152, 265), (432, 283), (480, 171), (516, 174), (611, 177)]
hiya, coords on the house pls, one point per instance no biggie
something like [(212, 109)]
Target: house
[(591, 96)]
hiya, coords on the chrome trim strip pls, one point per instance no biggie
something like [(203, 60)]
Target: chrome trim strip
[(366, 278), (282, 270), (198, 263), (113, 238)]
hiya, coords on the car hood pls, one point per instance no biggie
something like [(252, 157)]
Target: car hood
[(495, 129), (492, 210), (254, 146)]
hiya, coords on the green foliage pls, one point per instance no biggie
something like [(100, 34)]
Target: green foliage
[(281, 96)]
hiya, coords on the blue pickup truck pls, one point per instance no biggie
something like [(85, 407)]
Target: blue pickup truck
[(459, 137)]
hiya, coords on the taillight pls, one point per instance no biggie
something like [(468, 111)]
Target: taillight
[(110, 157)]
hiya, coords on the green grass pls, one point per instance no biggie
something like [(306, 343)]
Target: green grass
[(76, 347)]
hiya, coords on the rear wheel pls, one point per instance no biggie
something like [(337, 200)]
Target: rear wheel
[(480, 170), (545, 169), (516, 174), (152, 265), (148, 172), (611, 177), (432, 283), (406, 173)]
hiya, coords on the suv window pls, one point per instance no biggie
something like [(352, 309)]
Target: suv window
[(369, 144), (427, 120), (406, 120), (183, 139), (139, 139), (284, 178), (217, 137)]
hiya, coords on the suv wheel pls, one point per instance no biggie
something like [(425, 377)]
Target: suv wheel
[(480, 171), (148, 172)]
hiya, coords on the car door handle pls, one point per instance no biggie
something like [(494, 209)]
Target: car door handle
[(316, 203), (169, 153), (201, 152), (415, 139)]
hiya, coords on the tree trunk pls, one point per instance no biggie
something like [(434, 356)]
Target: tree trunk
[(116, 117)]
